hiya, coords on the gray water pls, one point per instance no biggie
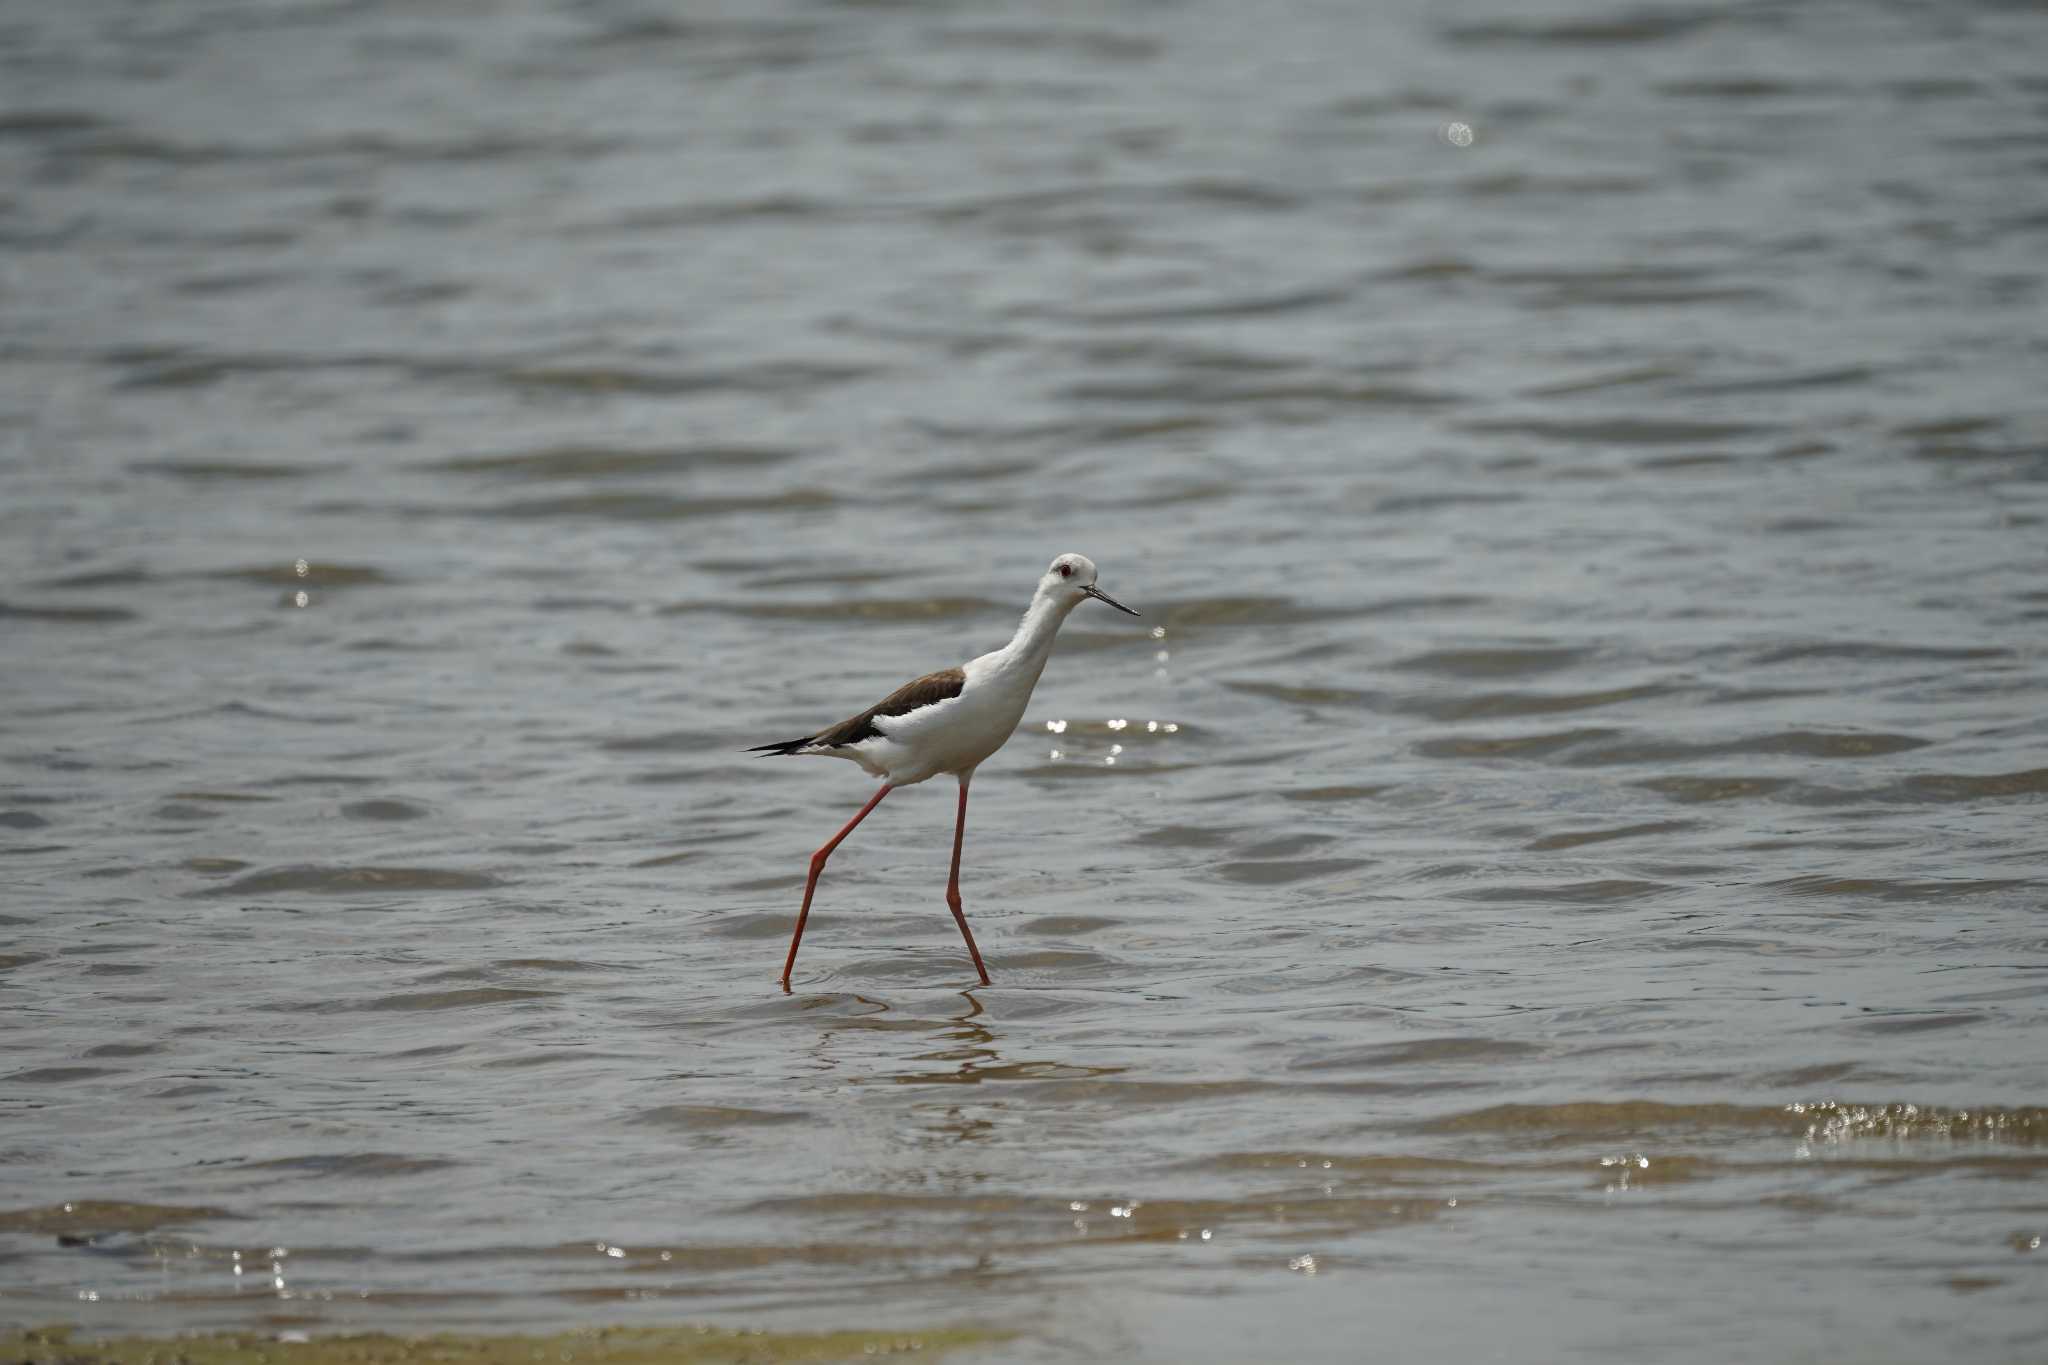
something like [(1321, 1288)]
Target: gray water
[(1557, 872)]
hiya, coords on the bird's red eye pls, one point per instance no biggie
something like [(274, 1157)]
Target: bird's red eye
[(1066, 570)]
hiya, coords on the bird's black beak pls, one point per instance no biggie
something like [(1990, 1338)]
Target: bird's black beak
[(1099, 595)]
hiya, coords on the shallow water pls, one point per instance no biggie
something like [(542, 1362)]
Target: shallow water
[(1557, 870)]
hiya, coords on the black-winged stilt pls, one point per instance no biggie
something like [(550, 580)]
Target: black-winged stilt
[(948, 722)]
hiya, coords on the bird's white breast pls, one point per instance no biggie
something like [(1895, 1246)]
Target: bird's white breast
[(961, 731)]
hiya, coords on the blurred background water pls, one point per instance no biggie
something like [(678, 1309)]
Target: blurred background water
[(1558, 870)]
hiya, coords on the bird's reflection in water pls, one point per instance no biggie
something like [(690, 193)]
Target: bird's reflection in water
[(956, 1126), (969, 1047), (973, 1046), (970, 1041)]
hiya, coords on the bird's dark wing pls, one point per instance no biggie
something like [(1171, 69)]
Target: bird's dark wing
[(929, 690)]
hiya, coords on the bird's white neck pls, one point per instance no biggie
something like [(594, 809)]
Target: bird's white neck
[(1032, 644)]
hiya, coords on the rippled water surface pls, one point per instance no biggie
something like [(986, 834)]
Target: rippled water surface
[(1557, 871)]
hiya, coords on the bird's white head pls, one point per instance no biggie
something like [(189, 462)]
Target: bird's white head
[(1070, 580)]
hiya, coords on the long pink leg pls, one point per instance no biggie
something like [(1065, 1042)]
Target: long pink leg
[(817, 866), (953, 886)]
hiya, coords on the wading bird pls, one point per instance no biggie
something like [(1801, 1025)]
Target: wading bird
[(948, 722)]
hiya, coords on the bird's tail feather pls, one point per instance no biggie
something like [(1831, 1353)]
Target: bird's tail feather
[(786, 746)]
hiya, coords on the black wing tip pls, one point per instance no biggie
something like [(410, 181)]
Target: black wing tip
[(784, 746)]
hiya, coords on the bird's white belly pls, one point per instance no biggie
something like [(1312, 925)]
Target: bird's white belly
[(954, 735)]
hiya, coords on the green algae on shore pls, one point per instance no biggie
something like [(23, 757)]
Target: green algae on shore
[(596, 1346)]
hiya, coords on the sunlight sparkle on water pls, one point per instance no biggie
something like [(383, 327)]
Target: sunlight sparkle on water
[(1626, 1166)]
